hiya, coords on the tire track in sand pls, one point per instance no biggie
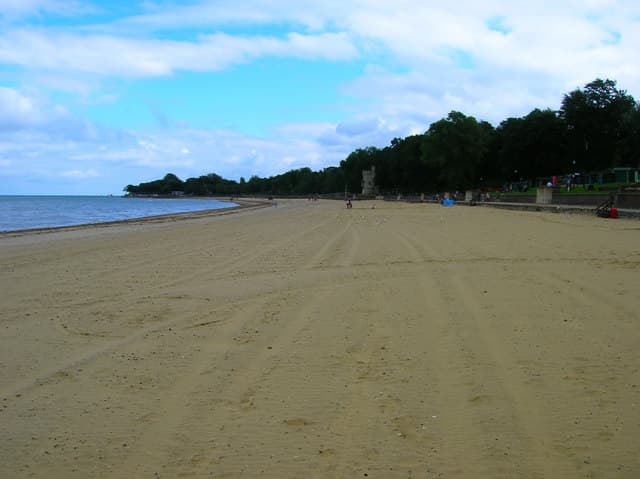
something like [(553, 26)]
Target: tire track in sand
[(87, 356), (131, 301), (480, 390), (501, 393), (325, 257), (216, 399)]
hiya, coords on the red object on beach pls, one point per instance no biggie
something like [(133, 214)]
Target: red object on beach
[(613, 213)]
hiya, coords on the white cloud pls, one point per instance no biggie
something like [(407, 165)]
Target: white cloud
[(16, 108), (133, 57), (450, 58), (548, 48), (561, 44), (26, 109), (81, 174), (210, 14), (570, 39), (110, 159)]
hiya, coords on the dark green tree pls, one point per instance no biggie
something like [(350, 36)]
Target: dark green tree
[(532, 146), (171, 183), (165, 186), (412, 173), (455, 147), (630, 141), (596, 117), (196, 186), (331, 180)]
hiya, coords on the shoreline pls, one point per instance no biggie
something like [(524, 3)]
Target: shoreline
[(242, 205)]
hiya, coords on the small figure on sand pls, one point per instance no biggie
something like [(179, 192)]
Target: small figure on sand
[(349, 205)]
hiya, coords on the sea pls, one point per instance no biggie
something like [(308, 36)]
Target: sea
[(28, 212)]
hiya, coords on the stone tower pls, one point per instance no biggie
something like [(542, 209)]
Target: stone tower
[(368, 182)]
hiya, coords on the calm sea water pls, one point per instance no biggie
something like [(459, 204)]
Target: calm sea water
[(24, 212)]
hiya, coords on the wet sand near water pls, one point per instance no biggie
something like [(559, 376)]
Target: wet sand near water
[(308, 340)]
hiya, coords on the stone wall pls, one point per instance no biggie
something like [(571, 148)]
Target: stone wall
[(623, 200), (544, 195)]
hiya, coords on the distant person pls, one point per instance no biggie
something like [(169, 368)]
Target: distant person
[(349, 205)]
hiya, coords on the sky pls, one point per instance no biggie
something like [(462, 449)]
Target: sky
[(95, 95)]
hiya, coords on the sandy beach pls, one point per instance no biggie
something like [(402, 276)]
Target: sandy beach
[(308, 340)]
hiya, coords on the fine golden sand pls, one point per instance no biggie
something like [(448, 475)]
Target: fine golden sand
[(308, 340)]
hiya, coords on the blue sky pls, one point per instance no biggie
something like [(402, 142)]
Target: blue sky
[(98, 94)]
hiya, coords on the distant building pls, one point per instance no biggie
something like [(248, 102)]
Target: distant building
[(368, 182)]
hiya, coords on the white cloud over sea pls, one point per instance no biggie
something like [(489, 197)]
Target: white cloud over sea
[(94, 96)]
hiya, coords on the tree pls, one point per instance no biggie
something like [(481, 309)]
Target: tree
[(456, 148), (196, 186), (630, 140), (595, 119), (331, 180), (165, 186), (410, 170), (533, 146)]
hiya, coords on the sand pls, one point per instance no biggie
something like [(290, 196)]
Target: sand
[(308, 340)]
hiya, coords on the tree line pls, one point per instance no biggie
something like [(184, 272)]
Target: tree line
[(596, 128)]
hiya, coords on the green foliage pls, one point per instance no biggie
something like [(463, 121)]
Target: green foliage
[(409, 171), (302, 181), (598, 120), (456, 147), (165, 186), (629, 144), (532, 146)]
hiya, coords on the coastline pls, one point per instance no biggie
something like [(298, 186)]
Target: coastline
[(243, 204), (405, 340)]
